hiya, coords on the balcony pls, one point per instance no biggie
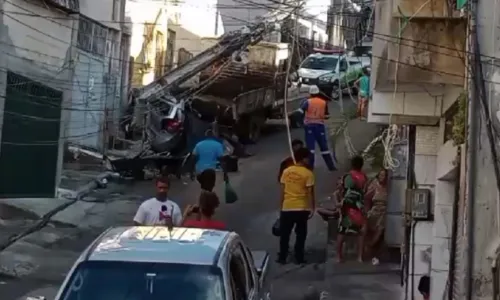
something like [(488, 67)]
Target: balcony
[(411, 108), (433, 9), (429, 54)]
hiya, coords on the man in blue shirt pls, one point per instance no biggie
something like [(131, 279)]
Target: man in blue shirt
[(207, 156)]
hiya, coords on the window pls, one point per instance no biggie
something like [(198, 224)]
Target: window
[(320, 62), (249, 266), (169, 59), (104, 280), (159, 54), (238, 277), (92, 37), (343, 65)]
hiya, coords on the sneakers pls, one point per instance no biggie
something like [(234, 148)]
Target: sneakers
[(375, 261)]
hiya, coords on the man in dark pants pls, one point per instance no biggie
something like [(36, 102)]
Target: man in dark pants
[(208, 155), (297, 205)]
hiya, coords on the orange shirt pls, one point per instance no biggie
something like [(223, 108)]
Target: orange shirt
[(316, 111)]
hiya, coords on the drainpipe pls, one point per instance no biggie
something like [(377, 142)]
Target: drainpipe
[(454, 227), (471, 149)]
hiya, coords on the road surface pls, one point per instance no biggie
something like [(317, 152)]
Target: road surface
[(252, 217)]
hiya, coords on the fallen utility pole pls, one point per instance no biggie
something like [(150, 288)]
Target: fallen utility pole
[(99, 182)]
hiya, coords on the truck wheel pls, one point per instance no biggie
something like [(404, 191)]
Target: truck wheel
[(254, 129)]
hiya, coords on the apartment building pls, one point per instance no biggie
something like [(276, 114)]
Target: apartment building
[(60, 80), (418, 77)]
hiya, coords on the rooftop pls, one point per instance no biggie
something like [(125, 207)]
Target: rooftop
[(158, 244)]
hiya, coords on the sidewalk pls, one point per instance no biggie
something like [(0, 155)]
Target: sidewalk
[(352, 280)]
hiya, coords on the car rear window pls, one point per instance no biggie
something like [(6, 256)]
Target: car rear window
[(104, 280)]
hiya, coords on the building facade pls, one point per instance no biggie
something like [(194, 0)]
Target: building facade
[(418, 83), (60, 77)]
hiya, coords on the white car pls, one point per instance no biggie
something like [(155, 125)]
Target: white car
[(138, 263)]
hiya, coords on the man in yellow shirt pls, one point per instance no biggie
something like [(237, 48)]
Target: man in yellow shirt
[(297, 205)]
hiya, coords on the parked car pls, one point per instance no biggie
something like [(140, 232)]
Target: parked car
[(341, 79), (158, 263)]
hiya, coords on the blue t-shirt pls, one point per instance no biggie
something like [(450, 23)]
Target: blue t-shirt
[(364, 86), (208, 151)]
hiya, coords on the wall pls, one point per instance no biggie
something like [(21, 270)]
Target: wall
[(38, 48), (199, 17), (103, 11), (412, 108), (485, 196), (422, 232), (140, 13), (236, 14), (428, 50)]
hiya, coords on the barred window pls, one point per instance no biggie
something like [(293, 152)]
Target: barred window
[(84, 40), (92, 37)]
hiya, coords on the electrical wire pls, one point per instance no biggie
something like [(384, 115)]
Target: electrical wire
[(285, 100)]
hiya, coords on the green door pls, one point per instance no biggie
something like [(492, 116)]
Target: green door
[(29, 142)]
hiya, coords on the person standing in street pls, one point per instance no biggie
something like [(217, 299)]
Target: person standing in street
[(202, 215), (353, 216), (315, 110), (159, 210), (363, 85), (287, 162), (208, 155), (297, 205)]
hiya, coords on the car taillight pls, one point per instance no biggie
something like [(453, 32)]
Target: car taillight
[(171, 125)]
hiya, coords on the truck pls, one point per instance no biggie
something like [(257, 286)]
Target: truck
[(248, 89)]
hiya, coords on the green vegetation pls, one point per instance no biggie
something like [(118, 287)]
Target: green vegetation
[(459, 119)]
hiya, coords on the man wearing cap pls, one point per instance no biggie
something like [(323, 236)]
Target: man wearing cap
[(315, 110)]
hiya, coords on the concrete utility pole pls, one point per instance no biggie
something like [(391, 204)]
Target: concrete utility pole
[(330, 24), (482, 196)]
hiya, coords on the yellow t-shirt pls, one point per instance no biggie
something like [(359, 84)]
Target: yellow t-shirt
[(296, 180)]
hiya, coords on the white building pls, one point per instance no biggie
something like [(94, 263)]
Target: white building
[(174, 36), (416, 83), (60, 75)]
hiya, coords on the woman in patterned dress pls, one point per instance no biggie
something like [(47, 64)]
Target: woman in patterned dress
[(352, 219), (376, 195)]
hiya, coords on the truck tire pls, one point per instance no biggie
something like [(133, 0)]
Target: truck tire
[(255, 124)]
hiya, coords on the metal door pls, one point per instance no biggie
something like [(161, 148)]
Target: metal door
[(88, 101), (30, 139)]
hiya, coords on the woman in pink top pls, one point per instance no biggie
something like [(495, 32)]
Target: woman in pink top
[(202, 214)]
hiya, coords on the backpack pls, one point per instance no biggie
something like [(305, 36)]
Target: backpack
[(342, 188)]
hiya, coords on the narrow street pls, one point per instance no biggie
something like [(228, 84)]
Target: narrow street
[(41, 261), (252, 216)]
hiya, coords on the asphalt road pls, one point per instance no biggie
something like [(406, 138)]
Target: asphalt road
[(252, 217)]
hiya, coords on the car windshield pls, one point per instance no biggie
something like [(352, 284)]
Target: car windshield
[(320, 63), (106, 280)]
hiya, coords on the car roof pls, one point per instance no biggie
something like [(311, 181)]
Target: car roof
[(159, 244)]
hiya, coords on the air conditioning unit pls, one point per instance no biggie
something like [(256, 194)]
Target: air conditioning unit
[(420, 202)]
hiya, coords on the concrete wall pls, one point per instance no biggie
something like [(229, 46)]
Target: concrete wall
[(485, 196), (411, 108), (103, 11), (140, 13), (38, 48), (427, 51)]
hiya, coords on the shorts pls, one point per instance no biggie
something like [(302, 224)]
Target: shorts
[(207, 179)]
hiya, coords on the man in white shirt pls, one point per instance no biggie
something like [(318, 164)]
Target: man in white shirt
[(159, 210)]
